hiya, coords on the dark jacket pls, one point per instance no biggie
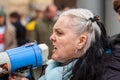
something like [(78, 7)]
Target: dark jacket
[(112, 69), (20, 33)]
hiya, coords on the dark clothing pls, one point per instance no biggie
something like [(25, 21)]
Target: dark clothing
[(4, 77), (112, 69), (20, 33)]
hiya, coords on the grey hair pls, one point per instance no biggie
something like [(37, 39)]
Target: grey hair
[(80, 20)]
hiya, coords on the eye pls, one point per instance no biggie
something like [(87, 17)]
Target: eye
[(59, 32)]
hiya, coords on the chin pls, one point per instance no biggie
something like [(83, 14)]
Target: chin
[(55, 57)]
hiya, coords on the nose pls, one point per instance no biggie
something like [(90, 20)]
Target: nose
[(52, 37)]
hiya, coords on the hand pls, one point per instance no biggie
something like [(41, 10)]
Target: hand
[(12, 77), (15, 77), (3, 72)]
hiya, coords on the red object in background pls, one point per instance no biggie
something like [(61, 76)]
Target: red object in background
[(1, 38)]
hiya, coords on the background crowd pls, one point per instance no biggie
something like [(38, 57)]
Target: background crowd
[(16, 29)]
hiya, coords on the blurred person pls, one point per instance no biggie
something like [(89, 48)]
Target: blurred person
[(39, 13), (112, 71), (7, 33), (23, 19), (42, 31), (2, 30), (79, 47), (30, 28), (43, 27), (20, 29), (31, 24), (7, 37)]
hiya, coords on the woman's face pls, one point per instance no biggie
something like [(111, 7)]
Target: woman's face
[(64, 41)]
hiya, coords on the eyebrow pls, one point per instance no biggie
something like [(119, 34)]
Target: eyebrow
[(56, 28)]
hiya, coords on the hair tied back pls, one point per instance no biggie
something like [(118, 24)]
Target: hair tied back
[(95, 18)]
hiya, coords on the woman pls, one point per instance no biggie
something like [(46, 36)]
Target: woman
[(78, 39)]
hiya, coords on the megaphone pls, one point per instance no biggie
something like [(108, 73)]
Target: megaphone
[(22, 58)]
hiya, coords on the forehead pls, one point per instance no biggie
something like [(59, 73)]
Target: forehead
[(63, 21)]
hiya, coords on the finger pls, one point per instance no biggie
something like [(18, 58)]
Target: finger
[(13, 76), (23, 79)]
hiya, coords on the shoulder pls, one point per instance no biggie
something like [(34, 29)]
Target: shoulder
[(40, 23), (112, 69), (115, 44), (114, 40)]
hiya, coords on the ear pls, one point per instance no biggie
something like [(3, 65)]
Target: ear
[(82, 41)]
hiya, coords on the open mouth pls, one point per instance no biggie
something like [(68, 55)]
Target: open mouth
[(54, 49)]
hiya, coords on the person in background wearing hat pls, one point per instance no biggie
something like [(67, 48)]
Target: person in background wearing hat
[(7, 38), (112, 71)]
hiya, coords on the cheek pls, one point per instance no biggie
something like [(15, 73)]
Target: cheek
[(65, 51)]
